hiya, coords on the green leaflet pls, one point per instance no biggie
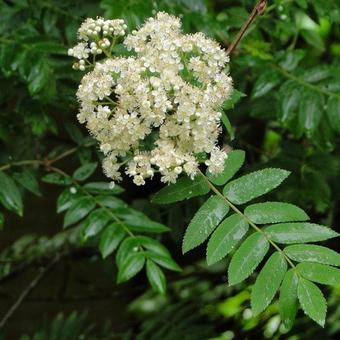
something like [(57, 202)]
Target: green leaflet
[(225, 237), (85, 171), (265, 82), (78, 210), (155, 277), (247, 257), (57, 178), (255, 184), (130, 267), (94, 223), (288, 302), (273, 212), (102, 188), (320, 273), (313, 253), (66, 199), (268, 282), (232, 164), (204, 222), (310, 110), (110, 239), (184, 188), (312, 301), (164, 261), (137, 221), (299, 232), (27, 179), (10, 195)]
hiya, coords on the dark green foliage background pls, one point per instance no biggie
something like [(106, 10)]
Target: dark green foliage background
[(287, 114)]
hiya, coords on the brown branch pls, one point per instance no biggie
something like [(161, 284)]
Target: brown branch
[(257, 10)]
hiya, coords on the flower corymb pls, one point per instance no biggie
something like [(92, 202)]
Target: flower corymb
[(152, 98)]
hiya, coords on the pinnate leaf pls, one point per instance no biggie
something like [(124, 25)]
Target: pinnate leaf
[(204, 222), (247, 257), (184, 188), (299, 232), (288, 301), (95, 222), (312, 301), (102, 188), (253, 185), (226, 237), (313, 253), (231, 165), (320, 273), (273, 212), (130, 267), (268, 282)]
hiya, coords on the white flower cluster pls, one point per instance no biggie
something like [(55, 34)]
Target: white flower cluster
[(156, 110)]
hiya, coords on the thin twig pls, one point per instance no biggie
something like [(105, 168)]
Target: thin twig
[(257, 10), (28, 290)]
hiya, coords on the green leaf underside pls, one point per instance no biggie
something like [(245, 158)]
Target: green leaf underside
[(130, 267), (155, 277), (94, 223), (226, 237), (56, 178), (299, 232), (274, 212), (247, 257), (313, 253), (312, 301), (164, 261), (204, 222), (110, 239), (268, 282), (288, 301), (320, 273), (79, 209), (184, 188), (85, 171), (232, 164), (10, 195), (255, 184)]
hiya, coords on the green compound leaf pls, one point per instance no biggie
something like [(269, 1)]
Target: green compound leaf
[(94, 223), (110, 239), (273, 212), (225, 238), (184, 188), (313, 253), (312, 301), (320, 273), (155, 277), (268, 282), (247, 257), (85, 171), (10, 195), (255, 184), (130, 267), (66, 199), (288, 301), (79, 209), (299, 232), (232, 164), (204, 222)]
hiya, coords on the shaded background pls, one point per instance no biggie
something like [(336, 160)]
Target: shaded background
[(286, 114)]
